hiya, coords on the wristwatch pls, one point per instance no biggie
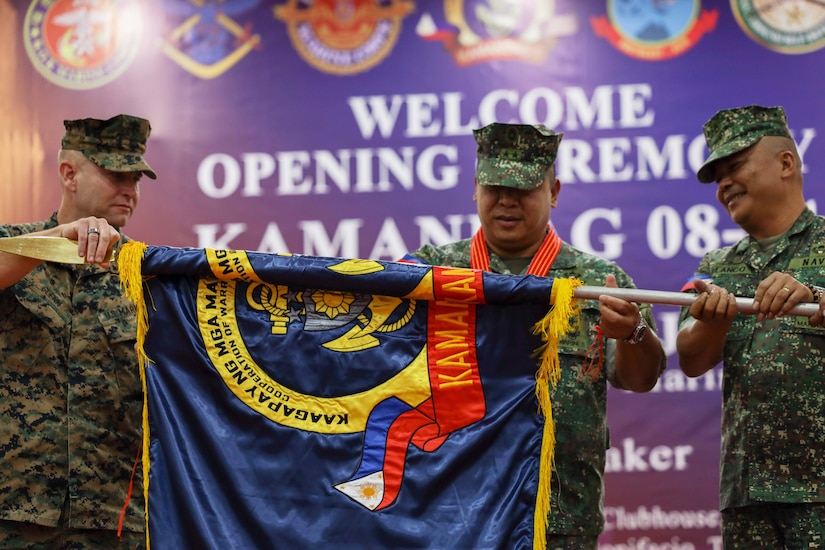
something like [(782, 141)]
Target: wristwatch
[(638, 332)]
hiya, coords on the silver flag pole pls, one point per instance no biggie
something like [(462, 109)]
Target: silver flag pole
[(743, 305)]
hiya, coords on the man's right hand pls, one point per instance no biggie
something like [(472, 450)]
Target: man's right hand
[(95, 238), (714, 305)]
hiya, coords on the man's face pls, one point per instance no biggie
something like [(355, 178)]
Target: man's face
[(106, 194), (749, 186), (515, 220)]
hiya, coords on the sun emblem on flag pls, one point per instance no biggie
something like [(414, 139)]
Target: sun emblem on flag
[(332, 303)]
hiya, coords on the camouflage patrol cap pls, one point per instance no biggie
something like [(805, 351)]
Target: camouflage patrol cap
[(116, 144), (734, 130), (515, 155)]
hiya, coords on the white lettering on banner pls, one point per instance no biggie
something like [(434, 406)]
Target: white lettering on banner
[(432, 231), (581, 238), (314, 172), (667, 324), (674, 543), (344, 242), (662, 458), (646, 543), (667, 234), (429, 114), (674, 381), (345, 239), (388, 244), (654, 518), (616, 156), (384, 169)]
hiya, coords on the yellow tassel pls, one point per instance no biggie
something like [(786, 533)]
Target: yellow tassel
[(129, 262), (555, 324), (145, 454)]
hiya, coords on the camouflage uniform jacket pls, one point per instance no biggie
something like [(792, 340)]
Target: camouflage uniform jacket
[(579, 403), (70, 396), (773, 392)]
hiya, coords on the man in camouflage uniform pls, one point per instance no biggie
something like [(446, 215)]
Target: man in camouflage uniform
[(773, 420), (70, 391), (515, 189)]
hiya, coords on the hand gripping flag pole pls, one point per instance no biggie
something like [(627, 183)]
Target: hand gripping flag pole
[(59, 249), (683, 299)]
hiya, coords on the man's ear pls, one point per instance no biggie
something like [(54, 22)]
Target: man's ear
[(555, 187), (68, 174), (788, 163)]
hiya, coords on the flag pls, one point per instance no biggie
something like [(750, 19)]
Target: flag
[(294, 401)]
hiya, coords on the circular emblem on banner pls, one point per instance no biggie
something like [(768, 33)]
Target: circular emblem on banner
[(792, 26), (344, 37), (82, 45), (654, 30)]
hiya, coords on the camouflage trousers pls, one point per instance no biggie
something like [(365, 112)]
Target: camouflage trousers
[(774, 526), (16, 535)]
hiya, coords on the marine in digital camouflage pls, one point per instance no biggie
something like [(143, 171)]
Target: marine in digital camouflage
[(733, 130), (116, 144), (773, 420), (579, 402), (515, 155), (70, 396)]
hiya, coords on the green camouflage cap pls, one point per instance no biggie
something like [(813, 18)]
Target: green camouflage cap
[(734, 130), (116, 144), (515, 155)]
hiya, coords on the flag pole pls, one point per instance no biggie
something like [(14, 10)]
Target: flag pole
[(743, 305)]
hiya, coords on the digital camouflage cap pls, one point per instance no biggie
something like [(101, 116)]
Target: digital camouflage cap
[(515, 155), (734, 130), (116, 144)]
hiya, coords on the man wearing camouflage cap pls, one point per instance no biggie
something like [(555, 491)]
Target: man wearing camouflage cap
[(70, 392), (773, 422), (515, 189)]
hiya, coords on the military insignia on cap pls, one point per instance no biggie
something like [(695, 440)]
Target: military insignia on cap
[(82, 45)]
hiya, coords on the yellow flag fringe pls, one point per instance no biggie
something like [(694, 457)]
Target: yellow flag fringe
[(555, 324), (129, 262)]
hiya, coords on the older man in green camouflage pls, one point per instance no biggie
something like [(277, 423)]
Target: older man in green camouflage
[(70, 392), (515, 190), (773, 421)]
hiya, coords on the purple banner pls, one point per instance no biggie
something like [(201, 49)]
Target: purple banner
[(343, 128)]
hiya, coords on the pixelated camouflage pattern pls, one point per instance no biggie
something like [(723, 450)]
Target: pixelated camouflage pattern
[(579, 403), (70, 396), (732, 130), (116, 144), (774, 526), (773, 419), (26, 535), (515, 155)]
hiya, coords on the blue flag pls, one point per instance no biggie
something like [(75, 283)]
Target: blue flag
[(294, 402)]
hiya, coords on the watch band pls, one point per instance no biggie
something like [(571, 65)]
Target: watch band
[(816, 291), (638, 333)]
